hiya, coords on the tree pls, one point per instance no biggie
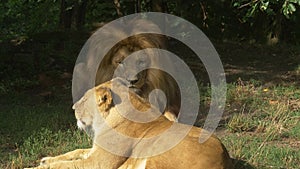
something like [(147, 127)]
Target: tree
[(273, 18), (19, 18), (159, 6), (72, 13)]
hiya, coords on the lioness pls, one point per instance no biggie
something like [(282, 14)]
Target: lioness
[(98, 113)]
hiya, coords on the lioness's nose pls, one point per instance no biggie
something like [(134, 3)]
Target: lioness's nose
[(74, 106)]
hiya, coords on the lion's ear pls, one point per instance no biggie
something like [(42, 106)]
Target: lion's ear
[(104, 99)]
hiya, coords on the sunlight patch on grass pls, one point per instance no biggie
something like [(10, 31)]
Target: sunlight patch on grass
[(264, 128), (47, 143)]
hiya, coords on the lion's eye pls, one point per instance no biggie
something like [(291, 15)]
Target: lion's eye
[(119, 62)]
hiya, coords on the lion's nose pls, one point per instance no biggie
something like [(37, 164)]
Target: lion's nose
[(132, 80)]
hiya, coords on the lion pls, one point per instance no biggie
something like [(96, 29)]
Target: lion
[(99, 108), (144, 81)]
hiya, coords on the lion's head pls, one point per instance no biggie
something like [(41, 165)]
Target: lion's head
[(141, 82)]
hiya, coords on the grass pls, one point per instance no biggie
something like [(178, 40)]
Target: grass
[(260, 128), (264, 130), (45, 142), (33, 126)]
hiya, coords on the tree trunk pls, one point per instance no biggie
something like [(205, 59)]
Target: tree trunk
[(80, 14), (118, 8), (159, 6), (275, 31), (65, 15), (138, 6)]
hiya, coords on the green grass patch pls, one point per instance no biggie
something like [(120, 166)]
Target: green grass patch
[(32, 127), (47, 143), (259, 153), (263, 130)]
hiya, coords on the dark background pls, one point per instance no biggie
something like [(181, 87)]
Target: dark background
[(258, 42)]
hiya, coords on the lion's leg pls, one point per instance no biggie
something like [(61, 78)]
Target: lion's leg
[(76, 164), (72, 155), (134, 163), (98, 159)]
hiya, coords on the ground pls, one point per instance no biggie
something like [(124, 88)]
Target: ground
[(260, 126)]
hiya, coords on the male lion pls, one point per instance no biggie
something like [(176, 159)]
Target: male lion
[(145, 81), (98, 113)]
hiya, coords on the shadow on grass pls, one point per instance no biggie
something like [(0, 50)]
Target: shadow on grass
[(240, 164), (271, 65)]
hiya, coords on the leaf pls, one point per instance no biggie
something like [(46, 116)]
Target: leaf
[(69, 8), (264, 5), (286, 13), (236, 4), (295, 1), (292, 8), (252, 10)]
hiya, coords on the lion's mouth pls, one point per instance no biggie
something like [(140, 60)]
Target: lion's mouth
[(81, 124), (136, 85), (135, 89)]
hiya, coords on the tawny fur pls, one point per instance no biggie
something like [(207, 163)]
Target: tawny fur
[(149, 79), (188, 153)]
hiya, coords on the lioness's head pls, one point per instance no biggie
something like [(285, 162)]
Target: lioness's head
[(112, 97), (93, 107)]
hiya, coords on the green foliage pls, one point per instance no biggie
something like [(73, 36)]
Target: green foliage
[(19, 17), (100, 11), (270, 7), (269, 20), (219, 18), (289, 7)]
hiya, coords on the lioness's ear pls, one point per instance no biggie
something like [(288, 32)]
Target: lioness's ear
[(104, 99)]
